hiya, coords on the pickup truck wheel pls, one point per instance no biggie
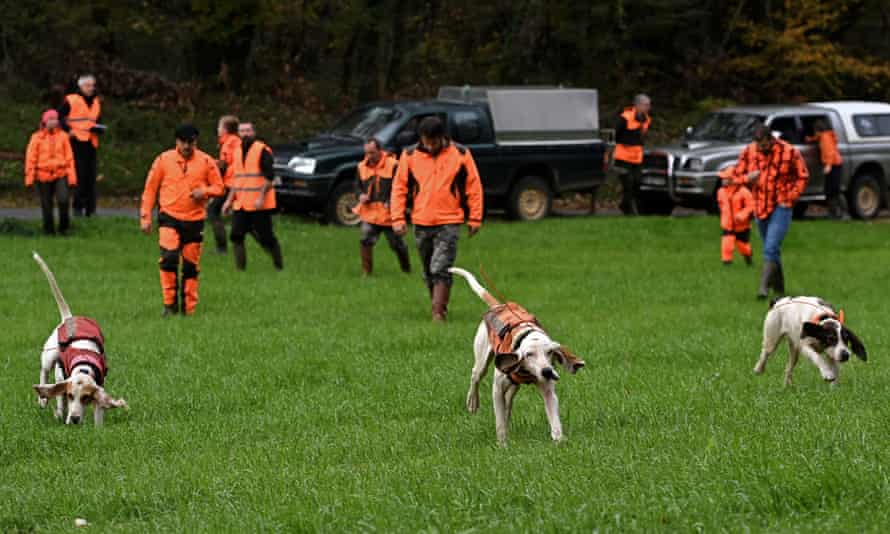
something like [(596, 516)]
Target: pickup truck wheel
[(865, 197), (530, 199), (649, 203), (339, 209)]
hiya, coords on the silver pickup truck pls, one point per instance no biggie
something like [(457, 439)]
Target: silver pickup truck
[(685, 173)]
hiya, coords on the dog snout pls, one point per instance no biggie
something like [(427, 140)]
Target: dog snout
[(549, 374), (74, 420), (844, 355)]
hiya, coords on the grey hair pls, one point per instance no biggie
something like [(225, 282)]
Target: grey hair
[(642, 99), (85, 78)]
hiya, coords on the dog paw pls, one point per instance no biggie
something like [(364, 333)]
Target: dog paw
[(472, 403), (42, 402), (759, 369), (557, 438)]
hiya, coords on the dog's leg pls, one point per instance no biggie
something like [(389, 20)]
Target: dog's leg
[(793, 355), (49, 359), (499, 388), (482, 358), (551, 407), (772, 335), (61, 402), (828, 373), (98, 415), (508, 397)]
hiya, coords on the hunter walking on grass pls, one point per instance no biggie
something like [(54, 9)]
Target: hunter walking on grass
[(229, 143), (50, 163), (440, 178), (777, 175), (630, 132), (80, 114), (375, 175), (180, 182)]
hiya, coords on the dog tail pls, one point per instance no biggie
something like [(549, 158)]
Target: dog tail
[(64, 310), (477, 288)]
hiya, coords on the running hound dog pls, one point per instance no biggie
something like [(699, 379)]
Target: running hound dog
[(523, 353), (76, 349), (813, 328)]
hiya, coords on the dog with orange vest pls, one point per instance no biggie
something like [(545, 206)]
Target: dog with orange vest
[(523, 353), (76, 350)]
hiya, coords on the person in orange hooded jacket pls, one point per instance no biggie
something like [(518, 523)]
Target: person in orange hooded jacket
[(180, 182), (229, 143), (736, 210), (374, 180), (441, 179), (49, 162), (832, 166)]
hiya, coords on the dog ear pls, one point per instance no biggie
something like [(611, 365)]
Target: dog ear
[(854, 343), (567, 359), (507, 362), (104, 400), (48, 391)]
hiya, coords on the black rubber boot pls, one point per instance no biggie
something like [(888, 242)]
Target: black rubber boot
[(766, 279), (277, 259), (240, 254), (779, 281), (219, 234), (404, 260), (170, 309)]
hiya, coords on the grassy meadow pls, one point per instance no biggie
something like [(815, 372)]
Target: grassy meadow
[(315, 400)]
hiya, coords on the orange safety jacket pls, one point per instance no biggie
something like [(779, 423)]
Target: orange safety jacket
[(783, 176), (248, 179), (828, 152), (49, 157), (376, 182), (171, 181), (82, 118), (228, 145), (629, 135), (445, 188), (736, 207)]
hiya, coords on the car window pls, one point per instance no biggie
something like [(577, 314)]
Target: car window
[(810, 121), (725, 126), (467, 127), (877, 125), (787, 128)]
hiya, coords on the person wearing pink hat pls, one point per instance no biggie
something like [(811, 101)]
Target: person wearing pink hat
[(49, 162)]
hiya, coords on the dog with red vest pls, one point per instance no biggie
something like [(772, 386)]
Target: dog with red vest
[(523, 353), (76, 350)]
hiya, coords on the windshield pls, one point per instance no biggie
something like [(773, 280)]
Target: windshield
[(365, 122), (724, 126)]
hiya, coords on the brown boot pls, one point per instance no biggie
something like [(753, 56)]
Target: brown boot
[(441, 294), (240, 254), (367, 260), (404, 260)]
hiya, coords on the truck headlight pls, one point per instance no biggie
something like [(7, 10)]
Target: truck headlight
[(302, 165), (695, 165)]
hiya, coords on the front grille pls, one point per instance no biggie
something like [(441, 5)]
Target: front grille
[(656, 162)]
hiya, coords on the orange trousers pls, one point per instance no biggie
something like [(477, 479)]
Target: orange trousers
[(180, 243), (735, 240)]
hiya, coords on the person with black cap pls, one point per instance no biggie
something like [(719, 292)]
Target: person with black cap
[(180, 182)]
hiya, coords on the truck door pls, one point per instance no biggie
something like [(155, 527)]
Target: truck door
[(790, 129), (472, 129)]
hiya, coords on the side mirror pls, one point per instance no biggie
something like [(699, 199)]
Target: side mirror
[(406, 138)]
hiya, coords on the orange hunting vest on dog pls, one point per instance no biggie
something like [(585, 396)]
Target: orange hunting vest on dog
[(503, 323), (82, 328)]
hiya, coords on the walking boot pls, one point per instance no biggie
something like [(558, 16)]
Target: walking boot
[(367, 260), (404, 260), (441, 294), (766, 279), (749, 261), (219, 233), (240, 254), (277, 259), (779, 281), (170, 309)]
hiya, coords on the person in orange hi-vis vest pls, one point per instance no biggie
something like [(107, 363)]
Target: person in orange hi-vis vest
[(80, 115), (374, 183), (227, 130), (736, 210), (180, 182), (49, 163), (440, 178), (252, 197), (630, 133), (832, 166)]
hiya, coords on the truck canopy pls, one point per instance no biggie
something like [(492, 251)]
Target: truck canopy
[(535, 115)]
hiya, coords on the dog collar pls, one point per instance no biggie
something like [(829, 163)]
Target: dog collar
[(824, 316)]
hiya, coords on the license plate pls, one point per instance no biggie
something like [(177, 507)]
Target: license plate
[(654, 180)]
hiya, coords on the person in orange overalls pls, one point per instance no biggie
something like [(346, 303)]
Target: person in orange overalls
[(630, 132), (180, 182), (375, 175), (441, 179), (832, 166), (736, 209), (229, 142), (50, 163)]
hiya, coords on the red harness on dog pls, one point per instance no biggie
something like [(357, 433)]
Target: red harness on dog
[(82, 328), (503, 322)]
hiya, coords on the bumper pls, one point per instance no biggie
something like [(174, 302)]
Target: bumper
[(694, 184), (301, 188)]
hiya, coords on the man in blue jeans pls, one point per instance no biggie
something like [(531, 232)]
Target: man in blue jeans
[(777, 175)]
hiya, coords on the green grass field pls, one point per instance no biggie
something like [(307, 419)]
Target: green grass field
[(314, 400)]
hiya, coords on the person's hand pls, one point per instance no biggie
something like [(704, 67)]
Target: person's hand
[(827, 169), (258, 205), (364, 198), (227, 207), (198, 194), (753, 176), (400, 228), (146, 226), (29, 185), (473, 230)]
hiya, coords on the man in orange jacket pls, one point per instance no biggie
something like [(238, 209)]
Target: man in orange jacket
[(252, 197), (375, 175), (80, 115), (50, 163), (832, 166), (736, 209), (630, 132), (441, 179), (229, 142), (180, 182)]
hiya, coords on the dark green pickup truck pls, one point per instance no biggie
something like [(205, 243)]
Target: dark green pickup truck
[(529, 145)]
